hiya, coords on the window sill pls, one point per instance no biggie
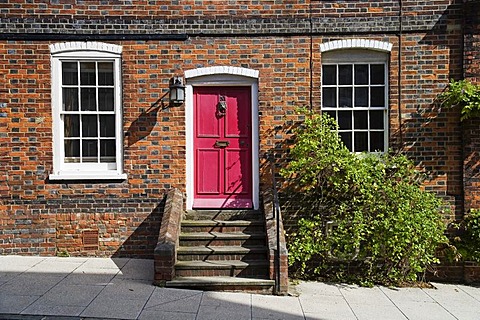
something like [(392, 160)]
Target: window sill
[(87, 176)]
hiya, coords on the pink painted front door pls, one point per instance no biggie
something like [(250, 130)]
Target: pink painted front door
[(222, 147)]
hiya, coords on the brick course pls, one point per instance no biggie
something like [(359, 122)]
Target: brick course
[(281, 39)]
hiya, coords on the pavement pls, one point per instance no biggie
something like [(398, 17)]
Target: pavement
[(34, 288)]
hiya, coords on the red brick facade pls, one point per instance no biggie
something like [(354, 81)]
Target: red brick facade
[(160, 39)]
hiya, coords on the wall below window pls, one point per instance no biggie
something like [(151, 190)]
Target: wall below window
[(125, 227)]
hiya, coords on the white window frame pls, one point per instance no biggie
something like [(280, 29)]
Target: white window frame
[(353, 56), (88, 52)]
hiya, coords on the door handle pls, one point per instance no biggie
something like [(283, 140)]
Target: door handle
[(221, 143)]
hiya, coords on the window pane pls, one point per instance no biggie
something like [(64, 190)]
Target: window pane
[(377, 97), (72, 150), (107, 126), (377, 141), (361, 74), (329, 75), (107, 151), (88, 99), (345, 74), (69, 73), (71, 125), (347, 139), (377, 73), (361, 142), (345, 97), (89, 126), (329, 97), (360, 119), (89, 151), (105, 99), (361, 97), (377, 119), (105, 73), (345, 120), (70, 99), (331, 114), (87, 73)]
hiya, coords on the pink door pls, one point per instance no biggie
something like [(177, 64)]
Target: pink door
[(222, 147)]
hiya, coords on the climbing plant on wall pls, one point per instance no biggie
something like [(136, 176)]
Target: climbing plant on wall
[(463, 94)]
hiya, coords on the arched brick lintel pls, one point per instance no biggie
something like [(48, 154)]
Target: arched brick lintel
[(250, 73), (356, 44)]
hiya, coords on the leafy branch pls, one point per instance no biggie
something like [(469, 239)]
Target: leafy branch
[(464, 94)]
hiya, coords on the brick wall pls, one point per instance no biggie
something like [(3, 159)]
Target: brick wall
[(281, 39)]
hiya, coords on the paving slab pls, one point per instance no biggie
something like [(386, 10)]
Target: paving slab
[(30, 284), (458, 302), (89, 271), (56, 266), (376, 312), (113, 307), (14, 304), (222, 313), (138, 269), (57, 310), (419, 310), (225, 299), (326, 307), (18, 264), (473, 291), (318, 288), (406, 295), (172, 300), (273, 307), (366, 296), (105, 263), (168, 315), (88, 279), (128, 290), (225, 305), (448, 292), (69, 295)]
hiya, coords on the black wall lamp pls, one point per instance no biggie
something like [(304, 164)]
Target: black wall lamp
[(177, 91), (176, 94)]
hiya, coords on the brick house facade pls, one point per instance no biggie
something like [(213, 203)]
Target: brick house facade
[(281, 49)]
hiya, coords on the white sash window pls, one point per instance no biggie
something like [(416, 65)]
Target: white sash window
[(86, 103), (355, 94)]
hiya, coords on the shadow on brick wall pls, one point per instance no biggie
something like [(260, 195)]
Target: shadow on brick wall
[(143, 125), (447, 33), (142, 241)]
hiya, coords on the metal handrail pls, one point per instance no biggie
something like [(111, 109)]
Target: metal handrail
[(276, 215)]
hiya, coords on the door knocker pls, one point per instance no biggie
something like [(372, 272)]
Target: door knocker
[(221, 106)]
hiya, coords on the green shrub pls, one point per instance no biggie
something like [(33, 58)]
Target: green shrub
[(468, 241), (365, 219)]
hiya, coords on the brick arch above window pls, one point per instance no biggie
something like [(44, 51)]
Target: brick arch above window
[(76, 46), (356, 44), (208, 71)]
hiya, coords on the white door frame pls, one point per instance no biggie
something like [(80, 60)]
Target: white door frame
[(221, 76)]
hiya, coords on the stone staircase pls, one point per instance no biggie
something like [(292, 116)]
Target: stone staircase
[(223, 250)]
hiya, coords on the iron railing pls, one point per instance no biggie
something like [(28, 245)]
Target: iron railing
[(276, 215)]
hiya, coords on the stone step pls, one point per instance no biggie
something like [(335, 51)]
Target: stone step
[(228, 268), (223, 284), (226, 215), (222, 226), (203, 253), (189, 239)]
